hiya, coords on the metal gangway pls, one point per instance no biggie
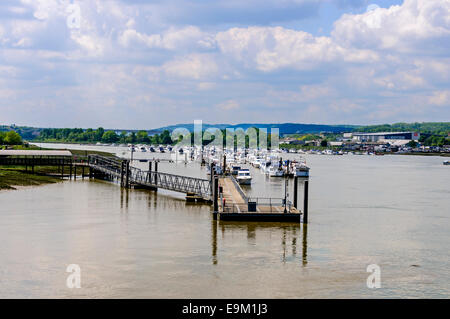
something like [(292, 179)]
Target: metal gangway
[(119, 169)]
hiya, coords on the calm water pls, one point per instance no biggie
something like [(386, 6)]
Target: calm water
[(387, 210)]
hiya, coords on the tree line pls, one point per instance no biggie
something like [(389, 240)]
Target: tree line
[(78, 135), (100, 135)]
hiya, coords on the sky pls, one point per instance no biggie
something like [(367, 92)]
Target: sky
[(136, 64)]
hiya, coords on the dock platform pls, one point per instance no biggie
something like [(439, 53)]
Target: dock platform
[(234, 205)]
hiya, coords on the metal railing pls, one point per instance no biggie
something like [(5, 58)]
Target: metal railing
[(177, 183)]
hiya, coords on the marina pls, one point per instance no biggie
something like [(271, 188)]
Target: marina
[(159, 237)]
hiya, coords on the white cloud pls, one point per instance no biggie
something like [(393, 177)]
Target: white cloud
[(271, 48), (404, 28), (172, 39), (229, 105), (194, 66), (440, 98)]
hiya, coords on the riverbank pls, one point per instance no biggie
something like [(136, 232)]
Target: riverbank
[(11, 178)]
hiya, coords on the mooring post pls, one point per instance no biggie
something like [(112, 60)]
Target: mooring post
[(211, 178), (224, 163), (70, 172), (156, 173), (216, 197), (295, 191), (75, 173), (121, 173), (305, 204), (149, 175), (127, 181)]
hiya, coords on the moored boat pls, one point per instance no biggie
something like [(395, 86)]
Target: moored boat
[(243, 177)]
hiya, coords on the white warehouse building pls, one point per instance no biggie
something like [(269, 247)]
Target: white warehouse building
[(385, 136)]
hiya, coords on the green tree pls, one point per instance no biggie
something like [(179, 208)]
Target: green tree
[(412, 144), (142, 137), (12, 138), (99, 133), (109, 137)]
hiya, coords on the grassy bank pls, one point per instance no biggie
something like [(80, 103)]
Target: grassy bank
[(18, 176), (11, 177)]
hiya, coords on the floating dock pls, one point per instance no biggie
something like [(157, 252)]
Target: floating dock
[(234, 205)]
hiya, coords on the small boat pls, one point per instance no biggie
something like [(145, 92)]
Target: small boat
[(151, 149), (301, 170), (243, 177), (446, 163), (275, 170), (143, 149), (235, 169), (161, 149)]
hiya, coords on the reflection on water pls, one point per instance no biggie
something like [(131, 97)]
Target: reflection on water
[(288, 232), (388, 210)]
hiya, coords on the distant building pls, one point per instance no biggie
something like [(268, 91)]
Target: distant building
[(385, 136)]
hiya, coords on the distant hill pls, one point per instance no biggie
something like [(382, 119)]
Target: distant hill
[(285, 128)]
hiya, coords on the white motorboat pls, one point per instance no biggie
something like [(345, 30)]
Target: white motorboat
[(446, 163), (275, 170), (243, 177), (301, 170), (235, 169)]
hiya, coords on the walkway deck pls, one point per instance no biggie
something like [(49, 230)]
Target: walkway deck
[(234, 205)]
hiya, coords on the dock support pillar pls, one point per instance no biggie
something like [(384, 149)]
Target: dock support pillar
[(82, 172), (149, 175), (224, 164), (216, 197), (70, 172), (75, 173), (127, 178), (305, 203), (295, 191), (121, 173), (62, 171), (156, 171), (212, 179), (90, 172)]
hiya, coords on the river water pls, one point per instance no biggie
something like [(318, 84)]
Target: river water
[(392, 211)]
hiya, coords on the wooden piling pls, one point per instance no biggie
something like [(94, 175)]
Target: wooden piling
[(305, 203), (295, 191), (127, 178), (149, 175), (216, 197), (75, 173)]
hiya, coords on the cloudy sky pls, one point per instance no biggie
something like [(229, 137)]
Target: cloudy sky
[(144, 64)]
